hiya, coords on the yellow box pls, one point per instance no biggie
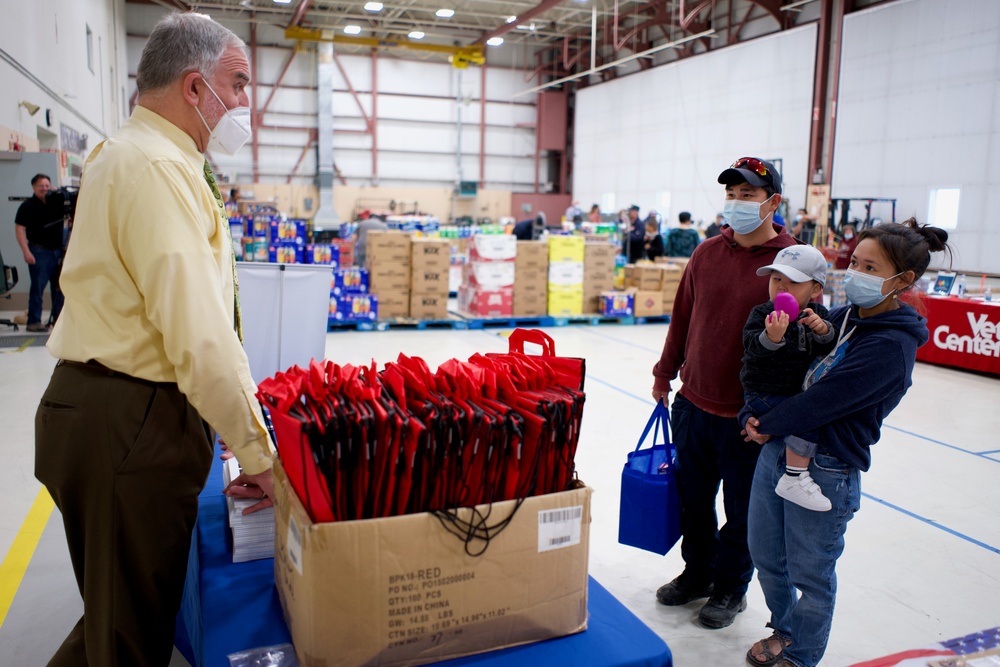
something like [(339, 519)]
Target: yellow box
[(566, 249), (565, 301)]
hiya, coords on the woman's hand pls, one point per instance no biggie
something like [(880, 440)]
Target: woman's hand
[(752, 434)]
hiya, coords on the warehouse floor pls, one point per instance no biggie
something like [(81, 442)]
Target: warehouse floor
[(922, 562)]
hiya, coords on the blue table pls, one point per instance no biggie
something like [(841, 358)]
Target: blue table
[(230, 607)]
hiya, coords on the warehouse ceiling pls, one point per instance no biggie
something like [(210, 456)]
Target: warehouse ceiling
[(537, 22)]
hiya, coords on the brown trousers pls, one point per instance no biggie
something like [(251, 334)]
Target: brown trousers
[(124, 460)]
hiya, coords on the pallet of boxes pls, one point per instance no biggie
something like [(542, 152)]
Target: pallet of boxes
[(531, 268), (388, 259), (598, 273), (566, 262), (488, 286), (430, 261), (673, 269)]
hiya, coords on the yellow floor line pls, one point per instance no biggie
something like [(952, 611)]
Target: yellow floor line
[(16, 562)]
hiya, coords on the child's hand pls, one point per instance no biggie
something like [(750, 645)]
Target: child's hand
[(776, 325), (814, 322)]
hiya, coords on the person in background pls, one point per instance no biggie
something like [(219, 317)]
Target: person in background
[(682, 240), (574, 214), (149, 348), (233, 203), (635, 236), (530, 230), (718, 288), (653, 244), (38, 226), (804, 228), (845, 249), (846, 399), (715, 228), (372, 223), (595, 214)]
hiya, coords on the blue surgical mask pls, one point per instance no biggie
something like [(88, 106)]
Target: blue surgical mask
[(864, 290), (743, 216)]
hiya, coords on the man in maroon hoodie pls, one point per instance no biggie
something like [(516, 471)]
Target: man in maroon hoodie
[(719, 288)]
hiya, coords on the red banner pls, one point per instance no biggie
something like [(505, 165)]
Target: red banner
[(964, 333)]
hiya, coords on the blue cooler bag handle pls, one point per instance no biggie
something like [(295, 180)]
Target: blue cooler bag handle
[(649, 515)]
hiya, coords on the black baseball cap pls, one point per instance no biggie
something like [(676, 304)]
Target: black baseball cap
[(633, 207), (758, 173)]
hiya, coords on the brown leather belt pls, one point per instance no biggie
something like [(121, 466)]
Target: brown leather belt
[(100, 369)]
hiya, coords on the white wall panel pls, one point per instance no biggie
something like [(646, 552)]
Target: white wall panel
[(674, 128), (919, 102)]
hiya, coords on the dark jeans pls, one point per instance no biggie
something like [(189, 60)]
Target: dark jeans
[(124, 461), (45, 271), (710, 451)]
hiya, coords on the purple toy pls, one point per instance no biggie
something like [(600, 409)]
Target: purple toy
[(786, 303)]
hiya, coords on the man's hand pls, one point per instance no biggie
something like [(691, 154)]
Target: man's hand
[(256, 487), (752, 434), (661, 395), (814, 322), (29, 258), (776, 325)]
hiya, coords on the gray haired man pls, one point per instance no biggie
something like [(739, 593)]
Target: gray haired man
[(149, 347)]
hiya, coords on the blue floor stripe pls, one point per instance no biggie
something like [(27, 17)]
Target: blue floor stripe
[(992, 451), (648, 400), (943, 444), (935, 524)]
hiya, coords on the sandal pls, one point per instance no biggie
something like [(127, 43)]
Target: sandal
[(770, 659)]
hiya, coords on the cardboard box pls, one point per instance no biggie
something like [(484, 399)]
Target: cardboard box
[(353, 308), (532, 255), (565, 301), (322, 253), (648, 303), (599, 255), (644, 277), (348, 281), (387, 247), (285, 253), (534, 281), (386, 277), (566, 274), (429, 306), (402, 591), (430, 280), (492, 247), (491, 275), (430, 253), (486, 302), (530, 304), (617, 304), (287, 231), (393, 304), (566, 249)]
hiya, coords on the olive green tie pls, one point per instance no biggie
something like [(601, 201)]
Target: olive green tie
[(237, 315)]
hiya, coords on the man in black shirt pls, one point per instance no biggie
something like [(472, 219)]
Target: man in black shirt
[(39, 225)]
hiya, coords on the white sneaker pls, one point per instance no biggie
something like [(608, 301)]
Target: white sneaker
[(803, 491)]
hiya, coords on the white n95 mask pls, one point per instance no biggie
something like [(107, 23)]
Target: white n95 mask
[(231, 132)]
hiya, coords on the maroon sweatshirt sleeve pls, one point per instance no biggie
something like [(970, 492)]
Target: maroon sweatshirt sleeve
[(672, 356)]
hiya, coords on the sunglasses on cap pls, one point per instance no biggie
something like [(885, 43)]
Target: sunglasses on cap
[(751, 163)]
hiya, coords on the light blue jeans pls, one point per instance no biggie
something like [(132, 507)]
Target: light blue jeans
[(795, 550)]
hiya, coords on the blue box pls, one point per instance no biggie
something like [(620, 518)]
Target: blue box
[(287, 231), (354, 308), (258, 226), (617, 304), (350, 280), (322, 253), (285, 253)]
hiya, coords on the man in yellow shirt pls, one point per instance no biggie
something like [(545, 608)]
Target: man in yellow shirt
[(151, 360)]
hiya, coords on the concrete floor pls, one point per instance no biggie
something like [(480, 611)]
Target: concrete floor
[(922, 562)]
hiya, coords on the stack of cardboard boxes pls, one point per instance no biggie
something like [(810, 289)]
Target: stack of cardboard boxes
[(671, 281), (531, 267), (430, 262), (389, 259), (646, 282), (598, 273), (488, 287), (566, 261)]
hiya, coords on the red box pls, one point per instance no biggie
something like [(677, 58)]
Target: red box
[(486, 302)]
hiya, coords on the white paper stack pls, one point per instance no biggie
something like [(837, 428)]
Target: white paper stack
[(253, 534)]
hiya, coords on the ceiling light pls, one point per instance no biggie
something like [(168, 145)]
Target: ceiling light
[(445, 13), (352, 29), (495, 41), (416, 34), (511, 19), (282, 2), (373, 6)]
